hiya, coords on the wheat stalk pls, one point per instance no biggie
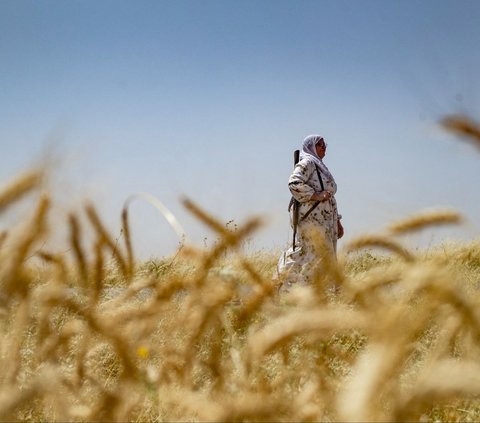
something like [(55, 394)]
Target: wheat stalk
[(463, 126), (379, 241), (19, 187), (424, 220)]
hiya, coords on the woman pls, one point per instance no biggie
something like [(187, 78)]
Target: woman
[(313, 187)]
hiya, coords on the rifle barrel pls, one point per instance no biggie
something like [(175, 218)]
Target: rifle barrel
[(296, 159)]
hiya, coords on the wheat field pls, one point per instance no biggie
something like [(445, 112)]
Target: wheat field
[(94, 335)]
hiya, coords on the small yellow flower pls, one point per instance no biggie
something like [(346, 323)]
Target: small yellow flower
[(143, 351)]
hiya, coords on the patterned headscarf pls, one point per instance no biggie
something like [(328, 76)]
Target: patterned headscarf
[(309, 152)]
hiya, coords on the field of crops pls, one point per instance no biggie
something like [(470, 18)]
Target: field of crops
[(92, 335), (205, 335)]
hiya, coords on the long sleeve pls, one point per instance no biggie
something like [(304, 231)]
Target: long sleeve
[(298, 181)]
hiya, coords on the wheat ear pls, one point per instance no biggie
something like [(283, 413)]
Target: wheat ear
[(463, 126), (19, 187), (425, 219), (379, 241), (105, 238)]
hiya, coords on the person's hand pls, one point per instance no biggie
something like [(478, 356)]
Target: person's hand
[(340, 231), (321, 196)]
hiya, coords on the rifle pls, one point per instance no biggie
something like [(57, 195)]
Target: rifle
[(294, 203)]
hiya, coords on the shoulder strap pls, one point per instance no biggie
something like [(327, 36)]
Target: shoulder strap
[(311, 209), (319, 177)]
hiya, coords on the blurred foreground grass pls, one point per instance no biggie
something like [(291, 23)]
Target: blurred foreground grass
[(384, 334), (91, 335)]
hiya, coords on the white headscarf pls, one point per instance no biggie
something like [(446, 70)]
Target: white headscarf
[(309, 152)]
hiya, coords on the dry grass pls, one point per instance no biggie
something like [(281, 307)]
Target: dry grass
[(204, 336)]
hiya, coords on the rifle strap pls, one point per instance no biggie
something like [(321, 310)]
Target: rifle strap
[(311, 209), (291, 203), (319, 177)]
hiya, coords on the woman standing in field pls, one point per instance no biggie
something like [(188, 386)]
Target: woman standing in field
[(313, 187)]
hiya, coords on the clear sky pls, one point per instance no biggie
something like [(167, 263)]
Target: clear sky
[(209, 99)]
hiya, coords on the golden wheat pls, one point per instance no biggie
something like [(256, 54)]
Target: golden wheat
[(463, 126), (380, 241), (205, 335), (424, 220), (19, 187)]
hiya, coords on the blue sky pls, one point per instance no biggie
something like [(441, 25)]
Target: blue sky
[(208, 99)]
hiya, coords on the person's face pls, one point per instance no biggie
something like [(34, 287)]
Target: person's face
[(321, 148)]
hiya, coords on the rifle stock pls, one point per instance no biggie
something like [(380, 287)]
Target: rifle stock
[(294, 203)]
